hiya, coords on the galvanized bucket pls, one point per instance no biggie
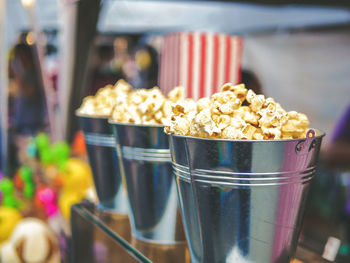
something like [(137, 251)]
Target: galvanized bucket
[(100, 144), (243, 201), (144, 155)]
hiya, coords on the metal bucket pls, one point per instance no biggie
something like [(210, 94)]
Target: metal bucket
[(243, 201), (144, 155), (100, 144)]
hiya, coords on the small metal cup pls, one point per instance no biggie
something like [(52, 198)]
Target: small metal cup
[(243, 201), (100, 144), (144, 157)]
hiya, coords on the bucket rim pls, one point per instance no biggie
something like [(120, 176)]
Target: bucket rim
[(82, 115), (319, 134), (110, 121)]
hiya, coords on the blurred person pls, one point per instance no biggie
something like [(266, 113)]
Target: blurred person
[(251, 81), (146, 59), (121, 54), (104, 72), (337, 154), (28, 110), (336, 158)]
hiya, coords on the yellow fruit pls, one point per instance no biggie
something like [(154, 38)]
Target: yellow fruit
[(65, 202), (77, 175), (9, 217)]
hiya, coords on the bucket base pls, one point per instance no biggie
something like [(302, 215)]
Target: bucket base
[(108, 209), (118, 222), (170, 253)]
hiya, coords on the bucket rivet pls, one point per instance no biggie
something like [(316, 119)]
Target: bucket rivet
[(312, 145), (310, 134), (299, 147)]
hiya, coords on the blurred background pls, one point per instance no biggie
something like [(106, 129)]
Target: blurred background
[(55, 52)]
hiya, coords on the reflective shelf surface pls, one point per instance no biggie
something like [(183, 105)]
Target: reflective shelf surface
[(102, 237)]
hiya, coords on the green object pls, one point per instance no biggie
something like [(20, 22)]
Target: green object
[(344, 249), (27, 176), (6, 186), (46, 156), (7, 189), (31, 148), (28, 190), (42, 141), (60, 152)]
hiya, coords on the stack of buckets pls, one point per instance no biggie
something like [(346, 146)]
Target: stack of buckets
[(231, 200)]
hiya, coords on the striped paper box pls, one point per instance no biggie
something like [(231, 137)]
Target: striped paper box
[(200, 62)]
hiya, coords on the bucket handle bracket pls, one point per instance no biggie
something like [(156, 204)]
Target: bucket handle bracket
[(308, 144)]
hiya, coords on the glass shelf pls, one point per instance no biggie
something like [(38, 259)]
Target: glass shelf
[(101, 237)]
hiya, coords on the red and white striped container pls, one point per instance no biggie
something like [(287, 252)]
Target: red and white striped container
[(200, 62)]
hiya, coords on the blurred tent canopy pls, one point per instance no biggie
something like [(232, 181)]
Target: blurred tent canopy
[(337, 3), (163, 16)]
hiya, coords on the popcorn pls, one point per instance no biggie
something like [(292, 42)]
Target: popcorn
[(248, 132), (205, 123), (223, 121), (225, 97), (222, 116), (204, 103), (229, 107), (178, 109), (250, 117), (176, 94), (203, 117), (256, 101), (123, 104), (239, 90), (103, 103), (258, 134), (188, 105), (196, 131), (232, 133), (271, 133), (167, 108), (182, 126), (237, 122), (151, 107), (88, 106), (295, 126)]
